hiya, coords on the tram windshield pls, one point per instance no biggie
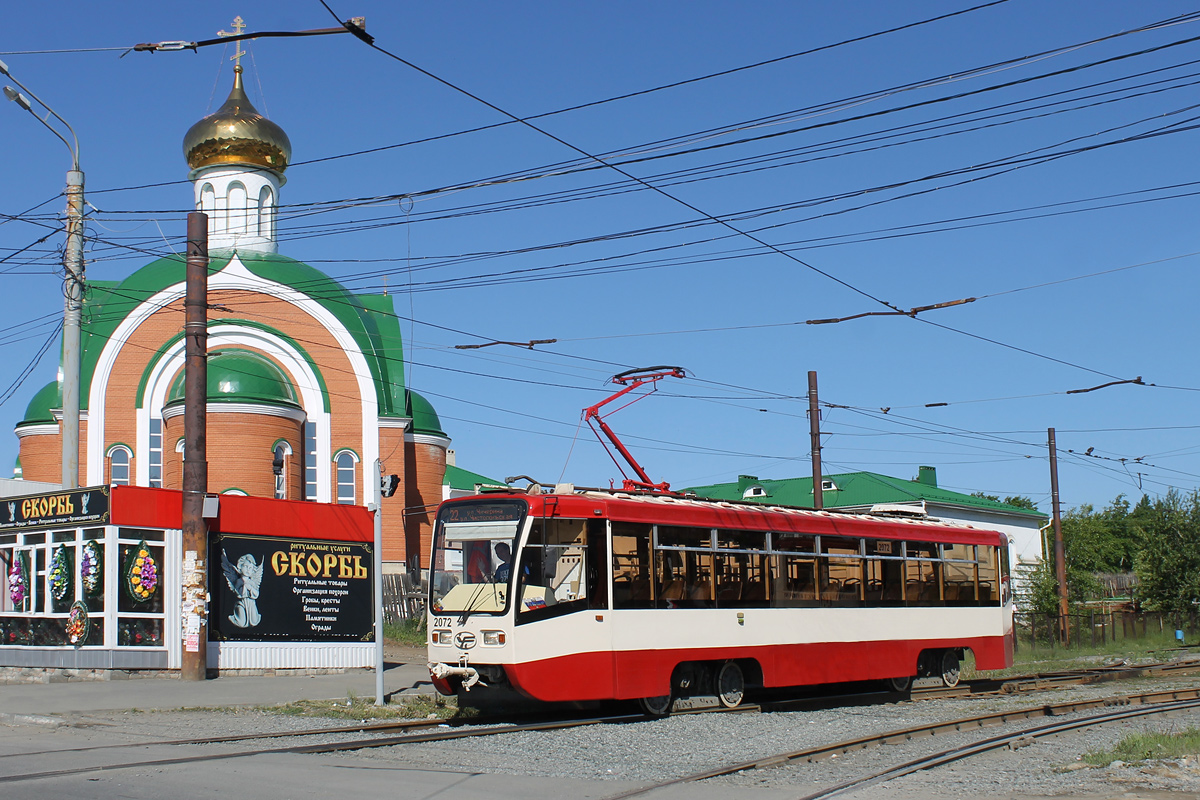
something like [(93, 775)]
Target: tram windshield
[(471, 565)]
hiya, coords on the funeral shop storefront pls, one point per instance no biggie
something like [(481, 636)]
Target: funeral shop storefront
[(90, 579)]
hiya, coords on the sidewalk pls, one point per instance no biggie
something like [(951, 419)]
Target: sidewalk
[(44, 702)]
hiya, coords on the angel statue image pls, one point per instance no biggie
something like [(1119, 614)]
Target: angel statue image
[(244, 579)]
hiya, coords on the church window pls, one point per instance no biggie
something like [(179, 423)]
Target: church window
[(119, 459), (345, 461), (208, 199), (155, 453), (310, 461), (279, 469), (237, 208), (266, 213)]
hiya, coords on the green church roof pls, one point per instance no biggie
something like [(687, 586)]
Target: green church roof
[(370, 319), (852, 489), (240, 376), (41, 407), (424, 418)]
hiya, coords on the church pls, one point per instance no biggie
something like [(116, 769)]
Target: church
[(306, 384)]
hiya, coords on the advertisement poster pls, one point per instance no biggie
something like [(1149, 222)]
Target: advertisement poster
[(294, 590)]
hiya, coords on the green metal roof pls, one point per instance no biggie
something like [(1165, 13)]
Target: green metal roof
[(41, 406), (424, 418), (240, 376), (459, 478), (853, 489), (370, 319)]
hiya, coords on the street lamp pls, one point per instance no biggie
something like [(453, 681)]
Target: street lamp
[(73, 288)]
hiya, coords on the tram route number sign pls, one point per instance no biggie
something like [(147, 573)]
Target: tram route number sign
[(69, 509), (297, 590)]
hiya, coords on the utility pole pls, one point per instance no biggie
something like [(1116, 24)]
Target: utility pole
[(72, 282), (195, 456), (1060, 561), (814, 433), (72, 320), (377, 568)]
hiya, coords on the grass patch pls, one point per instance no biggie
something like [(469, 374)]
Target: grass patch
[(409, 632), (1148, 746), (360, 708), (1043, 659)]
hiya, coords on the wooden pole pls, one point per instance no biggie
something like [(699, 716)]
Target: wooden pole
[(195, 464)]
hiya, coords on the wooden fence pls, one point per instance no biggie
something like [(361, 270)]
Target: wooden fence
[(1098, 629), (402, 598)]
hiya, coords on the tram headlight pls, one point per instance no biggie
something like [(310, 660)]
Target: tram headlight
[(493, 638), (440, 636)]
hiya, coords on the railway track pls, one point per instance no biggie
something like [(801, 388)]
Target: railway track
[(1126, 707), (401, 732)]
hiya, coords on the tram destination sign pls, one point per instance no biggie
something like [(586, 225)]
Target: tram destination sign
[(69, 509), (297, 590)]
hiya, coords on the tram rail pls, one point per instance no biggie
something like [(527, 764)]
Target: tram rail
[(419, 731)]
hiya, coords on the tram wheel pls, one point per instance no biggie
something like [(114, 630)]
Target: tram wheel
[(900, 685), (657, 706), (731, 685), (950, 668)]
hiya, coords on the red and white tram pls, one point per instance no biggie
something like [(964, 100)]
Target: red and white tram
[(608, 595)]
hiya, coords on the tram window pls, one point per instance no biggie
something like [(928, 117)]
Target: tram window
[(743, 580), (552, 573), (741, 540), (675, 536), (796, 581), (923, 574), (794, 543), (989, 579), (885, 582), (685, 579), (959, 573), (631, 565), (841, 572)]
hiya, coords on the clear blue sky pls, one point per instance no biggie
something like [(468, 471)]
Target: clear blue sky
[(1065, 203)]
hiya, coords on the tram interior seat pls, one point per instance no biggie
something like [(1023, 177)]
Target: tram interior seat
[(701, 591), (754, 592), (874, 592), (730, 591), (985, 592), (674, 590), (849, 593)]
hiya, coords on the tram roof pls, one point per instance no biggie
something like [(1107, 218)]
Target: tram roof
[(679, 510)]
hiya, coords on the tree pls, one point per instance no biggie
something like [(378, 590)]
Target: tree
[(1014, 500), (1168, 565)]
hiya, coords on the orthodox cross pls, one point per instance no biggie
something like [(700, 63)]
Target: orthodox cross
[(239, 25)]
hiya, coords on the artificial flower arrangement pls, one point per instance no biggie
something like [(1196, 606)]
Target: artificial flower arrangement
[(78, 623), (141, 573), (91, 568), (18, 581), (60, 575)]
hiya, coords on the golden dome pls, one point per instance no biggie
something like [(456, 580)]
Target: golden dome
[(237, 134)]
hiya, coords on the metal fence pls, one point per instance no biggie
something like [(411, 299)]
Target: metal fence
[(403, 599), (1099, 629)]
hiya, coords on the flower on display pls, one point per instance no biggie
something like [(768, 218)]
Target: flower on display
[(141, 573), (60, 573), (18, 581), (91, 571), (78, 623)]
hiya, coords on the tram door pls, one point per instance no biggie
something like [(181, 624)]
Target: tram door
[(564, 592)]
